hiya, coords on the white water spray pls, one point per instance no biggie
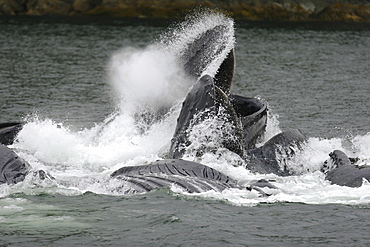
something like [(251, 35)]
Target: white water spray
[(150, 81)]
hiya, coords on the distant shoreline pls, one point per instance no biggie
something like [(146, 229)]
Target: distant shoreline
[(254, 10)]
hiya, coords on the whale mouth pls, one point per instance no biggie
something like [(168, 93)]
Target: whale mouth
[(151, 84), (207, 47), (202, 42)]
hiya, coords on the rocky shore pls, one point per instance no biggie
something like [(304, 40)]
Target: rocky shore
[(282, 10)]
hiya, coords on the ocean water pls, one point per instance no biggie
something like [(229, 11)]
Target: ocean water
[(79, 83)]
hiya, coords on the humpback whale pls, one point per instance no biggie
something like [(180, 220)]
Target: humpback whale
[(9, 131), (209, 97), (248, 116), (208, 49), (12, 168), (342, 170), (188, 175), (274, 154), (204, 101)]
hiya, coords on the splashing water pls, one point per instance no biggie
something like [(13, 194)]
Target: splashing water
[(147, 79), (194, 27), (150, 86)]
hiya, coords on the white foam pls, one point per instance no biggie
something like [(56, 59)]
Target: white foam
[(82, 164), (147, 81)]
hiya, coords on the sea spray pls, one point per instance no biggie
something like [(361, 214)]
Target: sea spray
[(153, 78), (147, 81), (150, 86), (184, 36), (362, 145)]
